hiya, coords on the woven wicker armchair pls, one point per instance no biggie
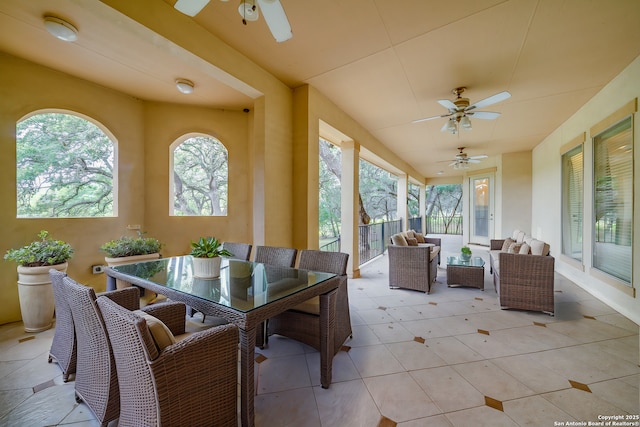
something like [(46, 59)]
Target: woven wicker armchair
[(412, 267), (240, 251), (276, 256), (63, 347), (192, 382), (302, 323)]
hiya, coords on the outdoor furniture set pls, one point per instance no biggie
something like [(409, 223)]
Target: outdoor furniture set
[(413, 261)]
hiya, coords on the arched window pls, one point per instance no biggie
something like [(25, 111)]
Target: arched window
[(65, 165), (199, 184)]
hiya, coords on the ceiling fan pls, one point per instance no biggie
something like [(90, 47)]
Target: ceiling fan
[(460, 110), (462, 160), (272, 10)]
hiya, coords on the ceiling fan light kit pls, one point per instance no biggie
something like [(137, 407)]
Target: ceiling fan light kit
[(248, 11), (185, 86), (460, 110), (462, 160)]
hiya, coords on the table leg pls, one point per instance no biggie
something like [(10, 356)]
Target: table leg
[(327, 341), (111, 283), (247, 384)]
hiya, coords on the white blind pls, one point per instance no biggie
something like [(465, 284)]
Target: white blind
[(613, 200), (572, 202)]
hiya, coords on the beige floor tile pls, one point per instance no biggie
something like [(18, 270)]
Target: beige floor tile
[(363, 336), (414, 355), (434, 421), (32, 373), (534, 411), (346, 404), (375, 316), (492, 381), (426, 328), (374, 360), (391, 332), (526, 369), (9, 399), (283, 373), (620, 393), (489, 346), (588, 330), (343, 368), (45, 408), (404, 314), (400, 398), (452, 350), (448, 389), (287, 408), (482, 416)]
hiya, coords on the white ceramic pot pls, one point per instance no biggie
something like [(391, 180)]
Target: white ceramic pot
[(206, 268), (128, 260), (36, 296)]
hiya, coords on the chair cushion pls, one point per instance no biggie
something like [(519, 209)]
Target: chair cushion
[(311, 306), (420, 237), (514, 248), (520, 237), (411, 234), (515, 234), (412, 241), (161, 334), (507, 243), (434, 252), (524, 249), (399, 240)]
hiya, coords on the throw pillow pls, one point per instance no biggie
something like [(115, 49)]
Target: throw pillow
[(516, 232), (412, 242), (507, 243), (411, 234), (514, 248), (420, 237), (521, 237), (524, 249), (538, 247), (399, 240), (159, 331)]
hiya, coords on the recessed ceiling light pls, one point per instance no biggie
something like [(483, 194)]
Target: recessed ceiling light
[(60, 28), (184, 86)]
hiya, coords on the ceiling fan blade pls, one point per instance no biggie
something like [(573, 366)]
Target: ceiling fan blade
[(471, 160), (455, 162), (190, 7), (485, 115), (498, 97), (276, 19), (447, 104), (431, 118), (481, 156)]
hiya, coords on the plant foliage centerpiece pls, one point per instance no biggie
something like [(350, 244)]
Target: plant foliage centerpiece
[(465, 253), (34, 284), (131, 246), (206, 253)]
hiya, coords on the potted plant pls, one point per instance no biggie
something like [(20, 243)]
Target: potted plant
[(206, 253), (465, 253), (34, 284), (129, 249)]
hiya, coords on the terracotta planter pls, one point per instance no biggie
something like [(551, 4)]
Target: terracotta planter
[(36, 296), (206, 268), (128, 260)]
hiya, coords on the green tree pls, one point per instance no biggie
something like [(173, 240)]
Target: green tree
[(379, 192), (64, 167), (200, 177)]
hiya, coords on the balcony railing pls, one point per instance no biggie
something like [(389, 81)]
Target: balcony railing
[(444, 225), (374, 238)]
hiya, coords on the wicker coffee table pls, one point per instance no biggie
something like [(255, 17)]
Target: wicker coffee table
[(462, 272)]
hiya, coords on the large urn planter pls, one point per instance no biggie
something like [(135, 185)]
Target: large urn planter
[(111, 262), (36, 296), (206, 268)]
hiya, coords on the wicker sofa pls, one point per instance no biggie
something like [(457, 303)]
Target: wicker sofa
[(523, 273)]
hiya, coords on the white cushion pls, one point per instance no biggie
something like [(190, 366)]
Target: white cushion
[(515, 234), (399, 240), (520, 237), (524, 249)]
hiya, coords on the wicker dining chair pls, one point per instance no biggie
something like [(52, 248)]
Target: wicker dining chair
[(278, 257), (192, 382), (241, 251), (63, 347), (302, 323)]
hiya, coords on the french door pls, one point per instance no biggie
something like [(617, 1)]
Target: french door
[(481, 223)]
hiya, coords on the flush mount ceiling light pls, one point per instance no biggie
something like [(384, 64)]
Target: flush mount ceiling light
[(60, 28), (185, 86)]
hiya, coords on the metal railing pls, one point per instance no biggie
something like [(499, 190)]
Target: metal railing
[(373, 239), (440, 225), (415, 224), (333, 246)]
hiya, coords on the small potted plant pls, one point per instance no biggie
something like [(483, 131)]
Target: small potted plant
[(34, 285), (465, 253), (206, 253)]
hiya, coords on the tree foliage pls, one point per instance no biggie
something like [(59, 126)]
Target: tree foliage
[(200, 177), (64, 167)]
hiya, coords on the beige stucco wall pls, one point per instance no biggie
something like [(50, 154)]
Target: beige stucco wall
[(546, 189), (143, 133), (515, 193)]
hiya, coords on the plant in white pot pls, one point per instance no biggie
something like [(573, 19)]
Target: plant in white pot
[(206, 253), (34, 284), (128, 249)]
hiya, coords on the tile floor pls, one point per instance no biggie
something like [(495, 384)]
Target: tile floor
[(451, 358)]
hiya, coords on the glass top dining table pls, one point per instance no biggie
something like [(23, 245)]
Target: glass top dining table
[(246, 294)]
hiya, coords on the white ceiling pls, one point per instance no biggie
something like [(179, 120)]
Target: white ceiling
[(383, 62)]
